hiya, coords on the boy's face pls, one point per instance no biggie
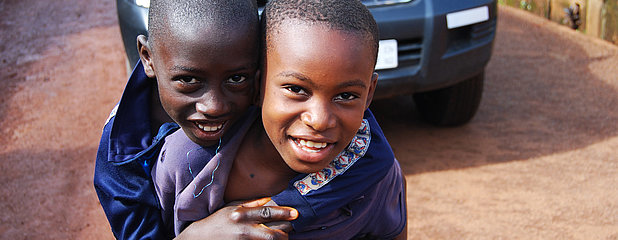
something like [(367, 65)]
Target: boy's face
[(316, 85), (206, 78)]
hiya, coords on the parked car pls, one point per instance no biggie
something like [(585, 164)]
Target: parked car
[(435, 50)]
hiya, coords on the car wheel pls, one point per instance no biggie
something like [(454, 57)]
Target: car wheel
[(451, 106)]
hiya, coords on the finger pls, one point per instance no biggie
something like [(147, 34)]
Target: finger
[(280, 225), (266, 214), (256, 202), (263, 232)]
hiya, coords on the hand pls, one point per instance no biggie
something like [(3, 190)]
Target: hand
[(244, 221)]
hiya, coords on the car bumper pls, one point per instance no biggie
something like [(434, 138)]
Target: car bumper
[(430, 55)]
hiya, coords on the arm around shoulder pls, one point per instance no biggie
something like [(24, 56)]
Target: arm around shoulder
[(127, 196)]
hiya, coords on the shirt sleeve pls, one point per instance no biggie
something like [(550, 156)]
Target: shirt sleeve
[(127, 196), (390, 218)]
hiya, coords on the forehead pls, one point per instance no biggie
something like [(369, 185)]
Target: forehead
[(213, 31), (202, 37), (206, 50), (303, 43)]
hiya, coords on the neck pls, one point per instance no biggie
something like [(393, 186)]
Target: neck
[(158, 116), (269, 158)]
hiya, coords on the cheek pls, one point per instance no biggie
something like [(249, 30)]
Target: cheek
[(275, 115), (271, 117), (351, 122), (172, 104), (271, 107), (169, 106), (245, 98)]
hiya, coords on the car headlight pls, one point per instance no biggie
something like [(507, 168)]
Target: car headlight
[(143, 3), (383, 2)]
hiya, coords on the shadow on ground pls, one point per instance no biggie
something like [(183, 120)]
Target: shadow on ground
[(543, 95), (51, 191), (33, 30)]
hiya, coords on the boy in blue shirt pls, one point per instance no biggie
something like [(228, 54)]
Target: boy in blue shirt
[(208, 51), (317, 148)]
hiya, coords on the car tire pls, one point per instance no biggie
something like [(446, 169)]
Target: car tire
[(451, 106)]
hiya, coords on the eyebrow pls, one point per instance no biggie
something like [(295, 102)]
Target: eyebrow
[(195, 70), (304, 78), (184, 69)]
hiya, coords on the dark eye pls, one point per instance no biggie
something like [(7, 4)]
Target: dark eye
[(188, 80), (346, 96), (296, 89), (237, 79)]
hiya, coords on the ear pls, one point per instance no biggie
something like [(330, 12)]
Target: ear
[(257, 100), (372, 89), (145, 55)]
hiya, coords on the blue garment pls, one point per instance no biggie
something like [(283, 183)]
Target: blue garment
[(122, 172), (366, 200), (359, 193), (127, 150)]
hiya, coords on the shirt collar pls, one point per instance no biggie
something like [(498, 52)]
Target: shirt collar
[(130, 136)]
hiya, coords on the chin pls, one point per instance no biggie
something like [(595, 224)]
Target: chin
[(308, 168)]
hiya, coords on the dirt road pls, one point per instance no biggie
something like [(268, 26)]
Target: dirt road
[(539, 161)]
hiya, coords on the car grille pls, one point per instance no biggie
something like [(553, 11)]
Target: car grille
[(409, 52), (261, 3), (483, 30), (464, 37), (383, 2)]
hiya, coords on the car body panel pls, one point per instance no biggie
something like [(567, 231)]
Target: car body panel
[(430, 55)]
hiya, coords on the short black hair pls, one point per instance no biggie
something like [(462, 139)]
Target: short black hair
[(225, 15), (343, 15)]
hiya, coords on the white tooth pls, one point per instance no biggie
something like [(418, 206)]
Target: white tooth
[(303, 142), (310, 144), (323, 145)]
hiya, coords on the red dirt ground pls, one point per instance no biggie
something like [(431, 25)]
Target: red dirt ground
[(539, 161)]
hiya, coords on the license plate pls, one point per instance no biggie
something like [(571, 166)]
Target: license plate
[(467, 17), (387, 54)]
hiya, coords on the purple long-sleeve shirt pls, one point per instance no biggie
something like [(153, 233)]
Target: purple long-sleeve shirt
[(359, 194)]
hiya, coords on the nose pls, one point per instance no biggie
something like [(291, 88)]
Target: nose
[(212, 104), (319, 116)]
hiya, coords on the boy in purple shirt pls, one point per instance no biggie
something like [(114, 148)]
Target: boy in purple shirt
[(317, 148)]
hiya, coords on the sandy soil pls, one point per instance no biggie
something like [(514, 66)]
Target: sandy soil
[(539, 161)]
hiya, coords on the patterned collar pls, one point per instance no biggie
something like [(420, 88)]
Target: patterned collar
[(356, 150)]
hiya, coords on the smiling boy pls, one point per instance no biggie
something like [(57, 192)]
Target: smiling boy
[(318, 81), (317, 147), (315, 92), (198, 68)]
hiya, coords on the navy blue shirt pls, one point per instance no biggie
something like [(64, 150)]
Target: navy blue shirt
[(127, 151), (122, 172)]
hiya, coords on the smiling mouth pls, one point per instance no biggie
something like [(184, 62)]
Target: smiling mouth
[(310, 146), (209, 127)]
